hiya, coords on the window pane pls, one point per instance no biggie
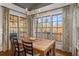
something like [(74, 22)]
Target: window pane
[(21, 29), (25, 22), (48, 19), (48, 25), (11, 30), (59, 24), (54, 30), (35, 21), (39, 20), (10, 24), (15, 30), (40, 25), (54, 24), (59, 30), (48, 29), (44, 19), (54, 18), (44, 29), (11, 17), (15, 18), (13, 25), (21, 24), (44, 24), (39, 30), (59, 18)]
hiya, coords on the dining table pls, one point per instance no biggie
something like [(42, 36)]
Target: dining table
[(42, 46)]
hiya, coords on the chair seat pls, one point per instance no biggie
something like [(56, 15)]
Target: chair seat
[(21, 49), (34, 54)]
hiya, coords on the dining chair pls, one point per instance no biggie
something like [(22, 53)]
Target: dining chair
[(17, 47), (28, 49)]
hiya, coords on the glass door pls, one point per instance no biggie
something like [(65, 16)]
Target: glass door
[(13, 25), (22, 28), (57, 28), (17, 26)]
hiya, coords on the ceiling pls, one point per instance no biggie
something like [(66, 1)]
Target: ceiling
[(31, 6)]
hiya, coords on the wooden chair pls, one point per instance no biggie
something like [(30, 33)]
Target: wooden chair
[(28, 48), (17, 48)]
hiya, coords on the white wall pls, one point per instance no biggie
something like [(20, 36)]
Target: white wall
[(78, 28), (0, 28), (49, 7), (52, 12), (13, 7), (17, 13)]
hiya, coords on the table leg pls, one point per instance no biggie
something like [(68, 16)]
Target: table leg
[(53, 50), (43, 53)]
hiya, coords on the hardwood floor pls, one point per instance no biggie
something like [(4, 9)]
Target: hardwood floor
[(6, 53), (62, 53), (58, 53)]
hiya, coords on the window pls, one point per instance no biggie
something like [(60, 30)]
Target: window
[(34, 27), (18, 26), (22, 27), (57, 26), (44, 26), (13, 24)]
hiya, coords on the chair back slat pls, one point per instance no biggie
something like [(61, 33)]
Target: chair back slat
[(15, 43), (28, 47)]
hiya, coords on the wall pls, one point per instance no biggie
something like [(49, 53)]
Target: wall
[(0, 28), (17, 13), (13, 7), (78, 17), (78, 29), (51, 12), (15, 10), (49, 7)]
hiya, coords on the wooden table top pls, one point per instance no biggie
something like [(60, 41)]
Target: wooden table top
[(41, 44)]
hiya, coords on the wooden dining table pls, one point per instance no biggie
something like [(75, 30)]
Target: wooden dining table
[(42, 46)]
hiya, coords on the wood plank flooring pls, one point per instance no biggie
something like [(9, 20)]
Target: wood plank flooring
[(58, 53)]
